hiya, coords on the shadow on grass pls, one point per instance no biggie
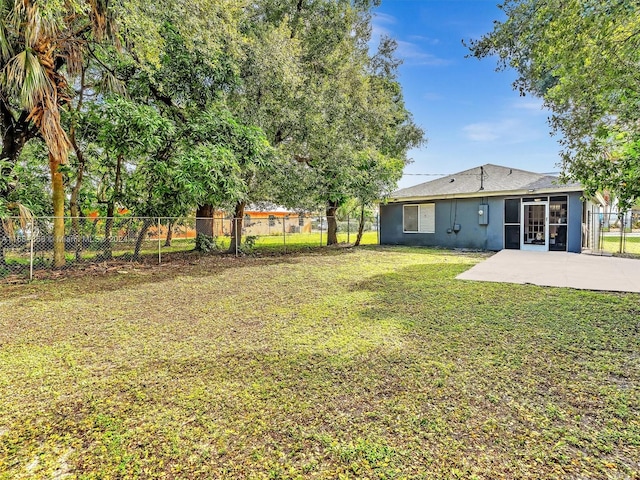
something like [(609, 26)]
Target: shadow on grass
[(401, 372), (121, 273)]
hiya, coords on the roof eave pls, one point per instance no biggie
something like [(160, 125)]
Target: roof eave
[(503, 193)]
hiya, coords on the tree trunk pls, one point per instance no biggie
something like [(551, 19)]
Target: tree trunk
[(204, 220), (57, 186), (332, 224), (167, 242), (146, 223), (360, 227), (236, 228)]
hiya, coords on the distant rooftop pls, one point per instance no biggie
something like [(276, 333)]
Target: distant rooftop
[(486, 180)]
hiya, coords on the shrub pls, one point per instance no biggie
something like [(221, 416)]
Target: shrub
[(205, 243)]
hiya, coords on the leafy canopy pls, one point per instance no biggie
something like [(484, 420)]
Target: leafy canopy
[(581, 58)]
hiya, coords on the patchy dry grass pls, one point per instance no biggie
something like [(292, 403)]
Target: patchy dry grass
[(368, 363)]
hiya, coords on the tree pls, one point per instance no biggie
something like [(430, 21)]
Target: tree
[(27, 196), (390, 132), (41, 45), (127, 134), (580, 57), (358, 146), (186, 85), (248, 153), (267, 96), (302, 63)]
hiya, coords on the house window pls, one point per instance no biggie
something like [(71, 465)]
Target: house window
[(419, 218), (272, 220), (512, 210), (301, 221)]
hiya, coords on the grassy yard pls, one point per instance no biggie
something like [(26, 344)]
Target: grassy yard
[(339, 363), (631, 244), (18, 260)]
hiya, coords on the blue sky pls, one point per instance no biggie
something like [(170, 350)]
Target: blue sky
[(470, 112)]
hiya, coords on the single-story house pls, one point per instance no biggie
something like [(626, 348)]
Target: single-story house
[(489, 208), (261, 220), (273, 220)]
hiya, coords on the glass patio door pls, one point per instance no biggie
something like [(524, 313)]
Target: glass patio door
[(535, 226)]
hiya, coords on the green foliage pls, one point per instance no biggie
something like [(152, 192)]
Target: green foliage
[(28, 182), (581, 57), (250, 242), (205, 243), (233, 104)]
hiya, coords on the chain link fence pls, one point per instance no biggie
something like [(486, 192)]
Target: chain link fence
[(613, 233), (27, 245)]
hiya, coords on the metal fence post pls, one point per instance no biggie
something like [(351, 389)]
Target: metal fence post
[(31, 251), (320, 229), (284, 233), (159, 244), (621, 223), (378, 228)]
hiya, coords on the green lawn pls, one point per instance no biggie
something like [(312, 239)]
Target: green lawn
[(337, 363), (297, 241), (612, 244)]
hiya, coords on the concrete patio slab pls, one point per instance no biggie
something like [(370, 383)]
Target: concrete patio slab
[(559, 269)]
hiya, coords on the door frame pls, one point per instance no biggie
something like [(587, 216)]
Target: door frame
[(523, 227)]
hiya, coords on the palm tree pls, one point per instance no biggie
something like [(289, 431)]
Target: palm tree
[(42, 45)]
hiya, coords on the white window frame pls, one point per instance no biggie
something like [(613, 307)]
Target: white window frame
[(426, 218)]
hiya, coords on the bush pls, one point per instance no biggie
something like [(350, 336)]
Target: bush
[(249, 242), (205, 243)]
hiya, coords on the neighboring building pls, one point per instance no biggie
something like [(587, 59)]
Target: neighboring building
[(264, 220), (274, 220), (270, 220), (488, 208)]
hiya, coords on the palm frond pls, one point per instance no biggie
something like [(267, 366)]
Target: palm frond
[(110, 83), (74, 56), (25, 217), (6, 50), (27, 78), (47, 117)]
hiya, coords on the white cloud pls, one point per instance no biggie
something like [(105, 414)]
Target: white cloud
[(380, 28), (379, 17), (507, 130), (427, 40), (414, 55), (410, 52), (530, 105)]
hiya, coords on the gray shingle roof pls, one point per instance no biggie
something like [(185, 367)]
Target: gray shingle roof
[(493, 179)]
